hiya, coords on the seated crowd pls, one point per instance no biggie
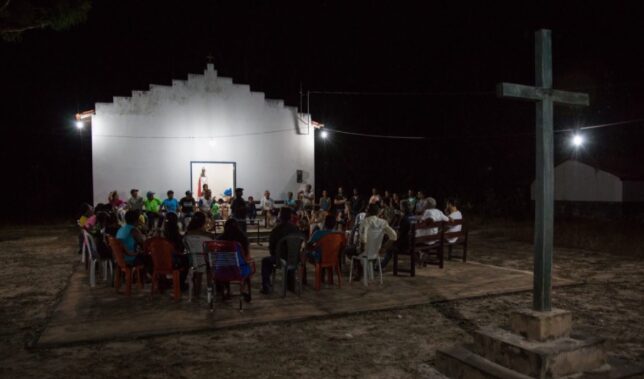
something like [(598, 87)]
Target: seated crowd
[(137, 219)]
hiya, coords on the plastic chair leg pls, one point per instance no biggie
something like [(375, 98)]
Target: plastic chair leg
[(128, 281), (380, 268), (339, 272), (92, 273), (284, 278), (364, 271), (117, 280), (350, 272), (190, 281), (139, 277), (317, 277), (176, 285)]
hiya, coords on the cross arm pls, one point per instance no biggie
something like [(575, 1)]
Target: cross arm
[(518, 91), (523, 92), (571, 98)]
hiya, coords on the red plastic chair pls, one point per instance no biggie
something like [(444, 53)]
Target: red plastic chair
[(118, 251), (225, 260), (331, 245), (160, 249)]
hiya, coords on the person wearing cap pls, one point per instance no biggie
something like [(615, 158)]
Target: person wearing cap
[(170, 205), (187, 206), (152, 206), (239, 208), (135, 203)]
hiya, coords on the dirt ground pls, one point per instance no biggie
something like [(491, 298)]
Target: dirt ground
[(36, 262)]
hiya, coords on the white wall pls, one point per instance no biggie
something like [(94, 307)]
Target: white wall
[(148, 140), (634, 190), (576, 181)]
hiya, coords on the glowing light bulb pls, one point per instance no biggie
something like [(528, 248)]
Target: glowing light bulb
[(324, 134), (79, 124), (577, 140)]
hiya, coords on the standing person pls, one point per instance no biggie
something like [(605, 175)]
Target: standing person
[(339, 201), (308, 198), (408, 204), (252, 209), (386, 199), (215, 209), (239, 208), (421, 203), (205, 203), (282, 229), (135, 203), (170, 204), (395, 202), (357, 204), (187, 205), (202, 182), (325, 202), (375, 197), (152, 205), (290, 201), (268, 208)]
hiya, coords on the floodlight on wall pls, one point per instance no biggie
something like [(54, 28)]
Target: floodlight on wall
[(324, 134), (577, 140), (80, 124)]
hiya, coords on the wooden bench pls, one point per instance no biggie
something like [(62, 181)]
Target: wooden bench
[(428, 248), (461, 239)]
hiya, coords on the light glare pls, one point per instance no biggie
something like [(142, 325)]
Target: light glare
[(324, 134), (577, 140), (79, 124)]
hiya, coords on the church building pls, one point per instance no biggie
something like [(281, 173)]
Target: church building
[(203, 130)]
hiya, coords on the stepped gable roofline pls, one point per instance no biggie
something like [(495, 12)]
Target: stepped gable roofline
[(615, 166), (209, 74)]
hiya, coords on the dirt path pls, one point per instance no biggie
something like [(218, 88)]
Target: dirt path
[(34, 267)]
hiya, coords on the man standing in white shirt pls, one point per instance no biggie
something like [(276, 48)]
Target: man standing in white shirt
[(268, 208)]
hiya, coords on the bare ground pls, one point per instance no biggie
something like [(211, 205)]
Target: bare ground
[(35, 265)]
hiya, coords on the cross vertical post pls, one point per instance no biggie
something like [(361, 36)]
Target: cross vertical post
[(544, 97), (544, 186)]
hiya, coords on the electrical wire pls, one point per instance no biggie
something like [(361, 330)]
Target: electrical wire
[(374, 135)]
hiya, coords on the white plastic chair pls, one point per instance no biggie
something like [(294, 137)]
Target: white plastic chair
[(89, 245), (194, 247), (369, 256)]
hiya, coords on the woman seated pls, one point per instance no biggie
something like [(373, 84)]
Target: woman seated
[(172, 234), (232, 232), (132, 240)]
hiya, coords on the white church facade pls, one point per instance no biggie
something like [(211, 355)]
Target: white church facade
[(203, 130), (582, 189)]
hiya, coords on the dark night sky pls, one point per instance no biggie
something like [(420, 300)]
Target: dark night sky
[(454, 54)]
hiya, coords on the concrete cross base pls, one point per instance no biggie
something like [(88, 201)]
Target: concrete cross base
[(539, 346), (541, 326)]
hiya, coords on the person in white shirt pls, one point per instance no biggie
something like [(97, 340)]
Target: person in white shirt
[(453, 214), (268, 208), (431, 213), (308, 198), (205, 203), (370, 227)]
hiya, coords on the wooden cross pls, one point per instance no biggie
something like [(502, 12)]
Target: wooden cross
[(545, 97)]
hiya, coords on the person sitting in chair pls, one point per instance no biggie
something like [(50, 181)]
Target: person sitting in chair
[(283, 228), (453, 214), (431, 213), (329, 227), (132, 239), (370, 224)]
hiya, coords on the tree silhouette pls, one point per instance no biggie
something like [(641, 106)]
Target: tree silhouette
[(19, 16)]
